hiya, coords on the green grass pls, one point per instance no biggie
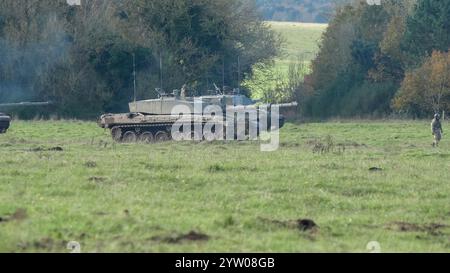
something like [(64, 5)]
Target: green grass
[(301, 44), (113, 197), (301, 41)]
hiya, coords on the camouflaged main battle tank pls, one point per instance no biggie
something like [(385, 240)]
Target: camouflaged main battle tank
[(5, 120), (152, 120)]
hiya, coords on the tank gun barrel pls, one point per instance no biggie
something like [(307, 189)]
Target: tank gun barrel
[(250, 107), (286, 105), (25, 104)]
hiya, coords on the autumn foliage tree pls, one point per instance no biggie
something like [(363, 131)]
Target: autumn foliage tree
[(427, 88), (376, 59)]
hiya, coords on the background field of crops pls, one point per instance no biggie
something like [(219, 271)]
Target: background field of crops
[(301, 42)]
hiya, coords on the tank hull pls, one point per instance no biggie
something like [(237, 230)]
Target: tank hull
[(5, 122), (142, 127)]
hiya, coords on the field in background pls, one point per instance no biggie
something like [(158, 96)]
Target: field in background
[(301, 41), (300, 44), (358, 181)]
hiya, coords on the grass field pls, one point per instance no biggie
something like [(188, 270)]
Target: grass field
[(63, 181), (300, 44), (301, 41)]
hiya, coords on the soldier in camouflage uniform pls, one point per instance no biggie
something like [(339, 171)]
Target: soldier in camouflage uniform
[(436, 129)]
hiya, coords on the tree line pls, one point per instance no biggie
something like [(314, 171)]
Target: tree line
[(82, 58), (379, 60)]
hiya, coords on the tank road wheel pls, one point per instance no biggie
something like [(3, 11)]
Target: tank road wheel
[(162, 136), (129, 137), (116, 133), (146, 137)]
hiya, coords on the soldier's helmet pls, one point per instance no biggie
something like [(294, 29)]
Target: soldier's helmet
[(437, 116)]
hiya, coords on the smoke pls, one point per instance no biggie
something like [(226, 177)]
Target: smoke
[(26, 60)]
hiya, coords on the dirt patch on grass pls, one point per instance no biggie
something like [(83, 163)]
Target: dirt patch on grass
[(326, 145), (45, 244), (307, 225), (353, 144), (304, 225), (90, 164), (97, 179), (290, 144), (18, 215), (332, 166), (192, 236), (216, 168), (433, 228), (42, 149), (161, 166), (222, 168)]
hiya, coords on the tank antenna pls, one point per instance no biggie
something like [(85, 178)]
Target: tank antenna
[(134, 77), (161, 70), (239, 74), (223, 73)]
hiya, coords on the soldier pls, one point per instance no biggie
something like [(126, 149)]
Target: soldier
[(184, 91), (436, 129)]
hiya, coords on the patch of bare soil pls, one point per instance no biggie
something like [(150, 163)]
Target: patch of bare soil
[(90, 164), (290, 144), (42, 149), (326, 145), (433, 228), (191, 236), (97, 179), (304, 225), (18, 215), (353, 144), (307, 225), (45, 244)]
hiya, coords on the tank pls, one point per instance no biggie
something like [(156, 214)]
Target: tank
[(5, 119), (152, 120)]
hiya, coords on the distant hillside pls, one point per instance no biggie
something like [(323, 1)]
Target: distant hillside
[(308, 11)]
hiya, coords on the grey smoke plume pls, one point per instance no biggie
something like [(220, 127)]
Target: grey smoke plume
[(26, 62)]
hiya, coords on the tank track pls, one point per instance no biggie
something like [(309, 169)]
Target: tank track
[(154, 132), (4, 126), (142, 132)]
